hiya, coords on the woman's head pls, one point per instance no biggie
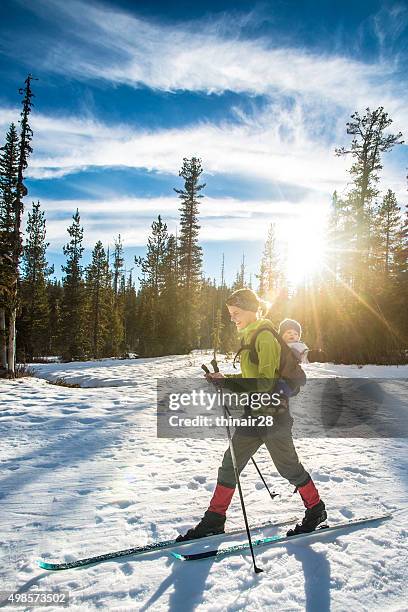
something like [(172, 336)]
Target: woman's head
[(244, 307)]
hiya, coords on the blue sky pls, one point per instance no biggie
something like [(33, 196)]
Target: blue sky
[(260, 91)]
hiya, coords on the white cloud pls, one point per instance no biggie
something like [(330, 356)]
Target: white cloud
[(98, 41), (221, 219), (275, 147)]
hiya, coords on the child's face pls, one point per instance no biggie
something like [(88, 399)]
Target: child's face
[(290, 335)]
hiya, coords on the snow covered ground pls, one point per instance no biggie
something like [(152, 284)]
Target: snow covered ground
[(82, 473)]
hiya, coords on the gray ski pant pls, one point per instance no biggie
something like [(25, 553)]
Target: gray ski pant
[(279, 442)]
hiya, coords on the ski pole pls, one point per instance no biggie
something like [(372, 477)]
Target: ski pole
[(257, 569), (272, 495)]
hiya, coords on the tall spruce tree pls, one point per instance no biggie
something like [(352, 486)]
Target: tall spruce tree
[(130, 316), (73, 338), (118, 263), (190, 253), (401, 253), (223, 270), (227, 330), (387, 224), (334, 240), (216, 332), (152, 283), (152, 264), (270, 274), (242, 271), (206, 312), (25, 150), (34, 319), (400, 286), (8, 187), (114, 338), (55, 298), (170, 323), (239, 282), (97, 290)]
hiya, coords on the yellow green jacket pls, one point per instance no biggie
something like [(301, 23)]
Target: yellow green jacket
[(267, 371)]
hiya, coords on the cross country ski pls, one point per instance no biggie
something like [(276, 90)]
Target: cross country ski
[(278, 539), (148, 548)]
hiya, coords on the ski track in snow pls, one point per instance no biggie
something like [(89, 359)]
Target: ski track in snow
[(82, 473)]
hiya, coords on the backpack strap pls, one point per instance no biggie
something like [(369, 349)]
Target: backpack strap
[(243, 347), (253, 355)]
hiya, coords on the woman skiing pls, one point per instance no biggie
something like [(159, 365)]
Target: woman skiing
[(245, 307)]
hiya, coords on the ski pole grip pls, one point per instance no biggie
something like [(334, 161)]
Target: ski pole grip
[(215, 365)]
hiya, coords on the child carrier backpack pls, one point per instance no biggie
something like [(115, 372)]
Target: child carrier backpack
[(289, 368)]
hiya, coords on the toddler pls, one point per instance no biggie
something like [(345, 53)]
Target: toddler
[(291, 331)]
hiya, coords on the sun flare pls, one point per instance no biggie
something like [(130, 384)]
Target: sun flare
[(305, 246)]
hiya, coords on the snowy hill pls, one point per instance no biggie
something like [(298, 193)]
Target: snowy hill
[(83, 473)]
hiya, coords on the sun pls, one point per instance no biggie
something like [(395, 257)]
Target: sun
[(305, 245)]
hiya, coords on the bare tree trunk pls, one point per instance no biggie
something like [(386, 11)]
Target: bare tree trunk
[(3, 339), (12, 342)]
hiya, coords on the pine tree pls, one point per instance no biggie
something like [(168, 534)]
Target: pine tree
[(366, 147), (242, 271), (223, 271), (239, 282), (33, 323), (118, 263), (114, 314), (73, 337), (25, 150), (8, 186), (400, 286), (216, 332), (401, 251), (227, 330), (97, 289), (270, 275), (206, 313), (152, 283), (190, 253), (387, 223), (153, 263), (368, 143), (55, 298), (334, 240), (130, 316), (170, 319)]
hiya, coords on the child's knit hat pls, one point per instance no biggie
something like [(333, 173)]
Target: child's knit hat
[(290, 324)]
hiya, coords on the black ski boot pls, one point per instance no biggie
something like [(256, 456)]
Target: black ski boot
[(212, 523), (313, 517)]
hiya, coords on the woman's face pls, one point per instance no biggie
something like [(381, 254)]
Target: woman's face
[(240, 317)]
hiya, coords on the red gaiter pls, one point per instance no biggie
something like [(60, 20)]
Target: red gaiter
[(309, 494), (221, 499)]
